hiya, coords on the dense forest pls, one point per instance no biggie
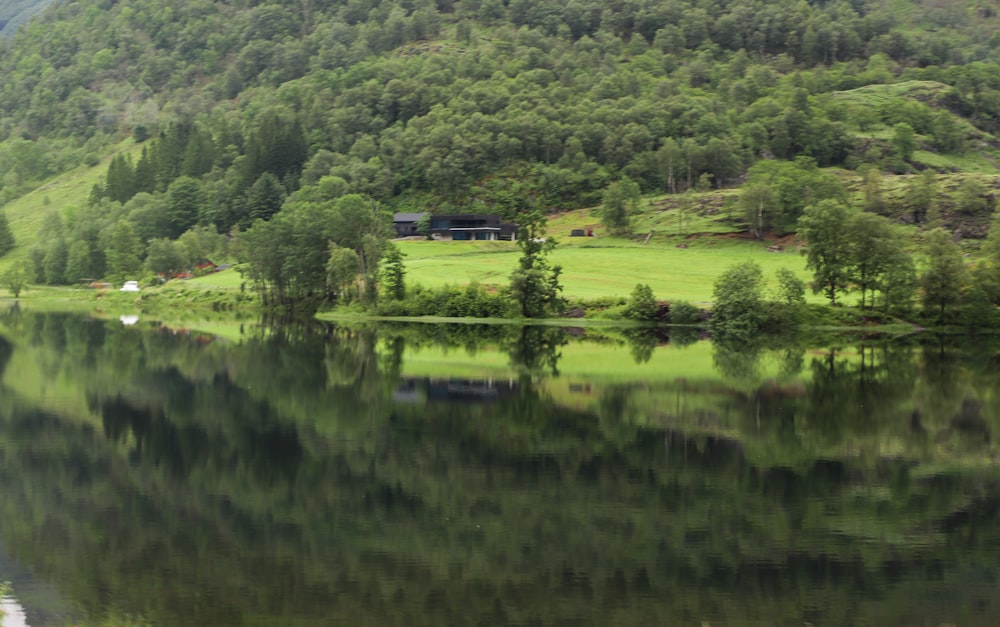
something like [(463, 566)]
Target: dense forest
[(225, 114), (13, 13)]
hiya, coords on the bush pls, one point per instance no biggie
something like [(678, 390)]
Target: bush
[(642, 304), (471, 301), (683, 312), (739, 309)]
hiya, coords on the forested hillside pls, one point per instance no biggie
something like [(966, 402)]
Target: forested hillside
[(245, 107), (13, 13)]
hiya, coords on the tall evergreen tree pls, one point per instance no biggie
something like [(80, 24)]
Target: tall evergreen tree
[(264, 198), (394, 273), (183, 205), (199, 154), (7, 241), (121, 180), (145, 172)]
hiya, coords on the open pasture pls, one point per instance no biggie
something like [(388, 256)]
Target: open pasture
[(602, 267)]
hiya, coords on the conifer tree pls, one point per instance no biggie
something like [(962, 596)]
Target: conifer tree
[(7, 241), (394, 273), (145, 172), (120, 183)]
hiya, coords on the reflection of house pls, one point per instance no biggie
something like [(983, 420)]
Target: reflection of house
[(453, 390), (459, 226)]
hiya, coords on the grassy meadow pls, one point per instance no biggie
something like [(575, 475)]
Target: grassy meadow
[(64, 192), (676, 268)]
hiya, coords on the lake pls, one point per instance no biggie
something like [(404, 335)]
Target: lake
[(473, 475)]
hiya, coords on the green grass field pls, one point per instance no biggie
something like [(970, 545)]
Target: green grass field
[(227, 279), (601, 267)]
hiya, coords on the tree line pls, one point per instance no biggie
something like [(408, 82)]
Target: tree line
[(853, 252), (450, 103)]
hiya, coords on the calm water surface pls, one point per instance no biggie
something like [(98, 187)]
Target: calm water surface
[(466, 475)]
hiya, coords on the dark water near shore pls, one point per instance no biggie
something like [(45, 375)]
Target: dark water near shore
[(465, 475)]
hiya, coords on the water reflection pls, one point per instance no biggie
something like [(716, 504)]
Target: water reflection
[(460, 475)]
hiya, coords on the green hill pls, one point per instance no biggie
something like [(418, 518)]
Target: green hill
[(229, 112), (13, 13)]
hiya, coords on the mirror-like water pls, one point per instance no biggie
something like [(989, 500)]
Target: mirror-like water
[(466, 475)]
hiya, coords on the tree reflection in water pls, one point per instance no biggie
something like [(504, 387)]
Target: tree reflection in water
[(302, 476)]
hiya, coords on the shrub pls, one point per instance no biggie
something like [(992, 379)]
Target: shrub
[(683, 312), (471, 301), (642, 304), (739, 309)]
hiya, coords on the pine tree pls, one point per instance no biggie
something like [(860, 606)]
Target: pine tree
[(264, 197), (145, 172), (120, 183), (394, 273), (7, 241)]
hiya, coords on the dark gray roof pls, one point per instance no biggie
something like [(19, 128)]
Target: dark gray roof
[(407, 217)]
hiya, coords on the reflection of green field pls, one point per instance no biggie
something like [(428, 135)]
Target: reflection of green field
[(606, 267), (588, 361)]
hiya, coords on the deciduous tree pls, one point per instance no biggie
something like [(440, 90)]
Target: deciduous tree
[(825, 227), (619, 203), (875, 247), (534, 285), (123, 249), (17, 277), (945, 275)]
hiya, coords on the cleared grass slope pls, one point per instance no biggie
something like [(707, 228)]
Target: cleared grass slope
[(63, 192), (676, 267)]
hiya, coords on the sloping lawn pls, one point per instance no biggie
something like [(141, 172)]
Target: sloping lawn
[(599, 268)]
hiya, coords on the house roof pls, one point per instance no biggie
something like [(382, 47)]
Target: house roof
[(407, 217)]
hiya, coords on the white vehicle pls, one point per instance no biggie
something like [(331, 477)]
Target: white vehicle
[(130, 286)]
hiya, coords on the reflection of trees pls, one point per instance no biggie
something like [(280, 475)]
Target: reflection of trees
[(852, 396), (534, 350), (6, 350), (278, 476), (641, 343), (684, 336), (738, 361)]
